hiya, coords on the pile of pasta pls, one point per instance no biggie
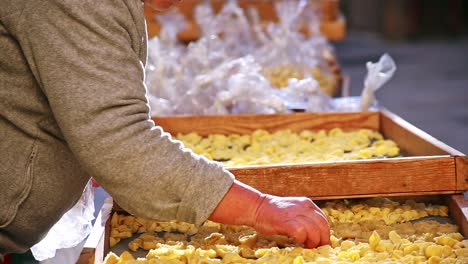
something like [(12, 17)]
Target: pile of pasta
[(279, 77), (374, 238), (286, 146)]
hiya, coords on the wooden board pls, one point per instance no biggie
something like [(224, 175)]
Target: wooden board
[(417, 142), (333, 24), (247, 123), (351, 179), (430, 167), (458, 207), (411, 138)]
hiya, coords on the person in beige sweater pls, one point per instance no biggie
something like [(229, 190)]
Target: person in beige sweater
[(73, 105)]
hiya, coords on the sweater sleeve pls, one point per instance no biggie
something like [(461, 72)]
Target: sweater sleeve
[(86, 58)]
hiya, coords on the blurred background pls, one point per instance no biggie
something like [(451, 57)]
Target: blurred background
[(429, 41)]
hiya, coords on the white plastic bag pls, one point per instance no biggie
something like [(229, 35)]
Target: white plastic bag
[(222, 72), (171, 22), (286, 45), (305, 95), (377, 75), (74, 226)]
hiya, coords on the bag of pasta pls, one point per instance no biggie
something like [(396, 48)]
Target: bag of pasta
[(290, 54)]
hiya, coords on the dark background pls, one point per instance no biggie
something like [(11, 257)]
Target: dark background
[(428, 40)]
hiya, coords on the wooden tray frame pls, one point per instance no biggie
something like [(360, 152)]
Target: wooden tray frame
[(458, 207), (431, 167)]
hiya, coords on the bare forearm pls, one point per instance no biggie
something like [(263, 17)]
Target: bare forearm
[(239, 205)]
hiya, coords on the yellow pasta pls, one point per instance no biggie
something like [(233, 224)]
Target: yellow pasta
[(364, 239), (285, 146), (279, 77)]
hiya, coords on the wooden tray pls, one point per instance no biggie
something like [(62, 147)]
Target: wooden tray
[(430, 166), (333, 24), (433, 172), (457, 205)]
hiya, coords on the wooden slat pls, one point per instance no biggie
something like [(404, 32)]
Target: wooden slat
[(415, 142), (330, 9), (459, 211), (334, 30), (412, 139), (86, 256), (353, 178), (244, 124), (106, 242), (462, 172), (427, 197)]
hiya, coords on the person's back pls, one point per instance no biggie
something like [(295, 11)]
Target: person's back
[(40, 177)]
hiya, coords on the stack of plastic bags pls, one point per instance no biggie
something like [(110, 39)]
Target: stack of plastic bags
[(239, 65)]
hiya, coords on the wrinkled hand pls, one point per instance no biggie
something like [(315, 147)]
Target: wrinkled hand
[(296, 217)]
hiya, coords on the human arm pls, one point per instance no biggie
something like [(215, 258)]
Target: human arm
[(87, 59)]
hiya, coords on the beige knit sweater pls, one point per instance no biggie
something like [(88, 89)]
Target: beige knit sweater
[(73, 104)]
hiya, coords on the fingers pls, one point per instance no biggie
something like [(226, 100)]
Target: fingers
[(308, 231), (296, 230), (299, 218), (324, 234), (312, 230), (316, 225), (323, 229), (321, 219)]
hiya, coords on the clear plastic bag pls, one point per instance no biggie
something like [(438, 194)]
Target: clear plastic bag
[(286, 43), (224, 71), (305, 95), (377, 75), (251, 93), (289, 53), (172, 22), (350, 104), (236, 86), (74, 226), (205, 17), (232, 24)]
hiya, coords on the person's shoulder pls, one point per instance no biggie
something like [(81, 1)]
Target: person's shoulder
[(74, 8)]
